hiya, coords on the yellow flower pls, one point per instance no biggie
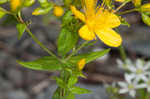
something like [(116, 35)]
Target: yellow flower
[(81, 64), (120, 0), (15, 4), (98, 22), (58, 11)]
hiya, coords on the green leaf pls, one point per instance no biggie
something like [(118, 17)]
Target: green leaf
[(146, 19), (67, 2), (78, 90), (3, 1), (2, 13), (89, 56), (66, 41), (72, 80), (44, 3), (28, 3), (60, 82), (70, 96), (42, 11), (45, 63), (56, 94), (67, 18), (21, 29)]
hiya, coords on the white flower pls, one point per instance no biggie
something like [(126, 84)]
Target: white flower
[(140, 70), (125, 65), (147, 84), (129, 86)]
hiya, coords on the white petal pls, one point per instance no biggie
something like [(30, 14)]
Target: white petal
[(129, 77), (120, 63), (132, 68), (121, 91), (148, 89), (144, 78), (147, 66), (122, 84), (139, 63), (132, 93), (129, 62)]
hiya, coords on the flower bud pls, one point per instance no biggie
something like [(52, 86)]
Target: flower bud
[(136, 2), (121, 1), (146, 19), (81, 64), (145, 7), (58, 11), (15, 4)]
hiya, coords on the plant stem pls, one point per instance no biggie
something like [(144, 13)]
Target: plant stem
[(19, 18), (123, 4), (122, 53), (39, 43), (73, 53), (127, 11)]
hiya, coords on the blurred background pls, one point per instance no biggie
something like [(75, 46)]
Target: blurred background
[(17, 82)]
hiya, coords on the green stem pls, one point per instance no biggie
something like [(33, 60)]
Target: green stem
[(64, 75), (76, 51), (122, 53), (127, 11), (123, 4), (19, 18), (40, 44)]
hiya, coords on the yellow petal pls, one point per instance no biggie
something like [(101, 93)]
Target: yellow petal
[(89, 7), (81, 64), (77, 13), (109, 37), (86, 34), (107, 19)]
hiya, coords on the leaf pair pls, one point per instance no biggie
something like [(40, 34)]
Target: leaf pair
[(49, 63)]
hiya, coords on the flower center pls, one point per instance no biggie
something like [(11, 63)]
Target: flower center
[(139, 71), (90, 24), (130, 86)]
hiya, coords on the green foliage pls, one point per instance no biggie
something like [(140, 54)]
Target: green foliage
[(28, 3), (60, 82), (72, 81), (70, 96), (78, 90), (9, 20), (21, 29), (68, 37), (45, 63), (3, 1), (57, 94), (66, 41), (67, 2), (44, 3), (89, 56), (42, 11), (146, 19), (2, 13)]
